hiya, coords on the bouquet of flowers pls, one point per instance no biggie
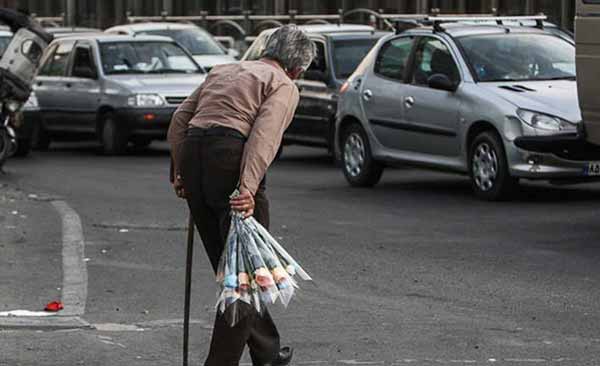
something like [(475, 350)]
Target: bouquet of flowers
[(254, 270)]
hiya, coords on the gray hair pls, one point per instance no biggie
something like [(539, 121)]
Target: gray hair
[(291, 47)]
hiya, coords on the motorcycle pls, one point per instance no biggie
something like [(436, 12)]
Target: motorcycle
[(18, 66)]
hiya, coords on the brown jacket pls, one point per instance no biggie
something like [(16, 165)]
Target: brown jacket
[(256, 98)]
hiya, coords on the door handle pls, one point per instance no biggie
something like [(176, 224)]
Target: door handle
[(68, 85), (39, 83), (367, 95), (409, 102)]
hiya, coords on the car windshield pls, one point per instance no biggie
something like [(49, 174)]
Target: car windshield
[(519, 57), (197, 41), (4, 41), (146, 58), (347, 54)]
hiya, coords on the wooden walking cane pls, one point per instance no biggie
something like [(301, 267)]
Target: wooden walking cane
[(188, 289)]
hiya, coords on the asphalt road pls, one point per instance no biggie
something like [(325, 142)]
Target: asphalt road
[(415, 271)]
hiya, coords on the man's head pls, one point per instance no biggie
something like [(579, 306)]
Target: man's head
[(292, 48)]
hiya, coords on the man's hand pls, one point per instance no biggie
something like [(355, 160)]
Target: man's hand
[(178, 187), (243, 203)]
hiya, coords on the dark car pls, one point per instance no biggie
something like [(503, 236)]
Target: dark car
[(340, 48)]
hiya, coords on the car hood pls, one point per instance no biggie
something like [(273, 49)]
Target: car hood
[(164, 84), (556, 97), (208, 61)]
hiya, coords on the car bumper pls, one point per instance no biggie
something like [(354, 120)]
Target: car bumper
[(563, 157), (151, 122)]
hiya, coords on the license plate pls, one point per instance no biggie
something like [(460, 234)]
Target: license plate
[(593, 169)]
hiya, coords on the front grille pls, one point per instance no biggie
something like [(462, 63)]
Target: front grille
[(175, 100)]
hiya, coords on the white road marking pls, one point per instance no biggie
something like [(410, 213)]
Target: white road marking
[(26, 313), (75, 279)]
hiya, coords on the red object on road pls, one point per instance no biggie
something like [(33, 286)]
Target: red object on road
[(54, 306)]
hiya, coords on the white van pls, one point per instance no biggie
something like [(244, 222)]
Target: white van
[(587, 24)]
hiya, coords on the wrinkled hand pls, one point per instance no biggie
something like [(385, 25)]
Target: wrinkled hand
[(178, 187), (243, 203)]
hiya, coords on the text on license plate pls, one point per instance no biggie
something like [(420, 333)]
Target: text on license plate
[(593, 169)]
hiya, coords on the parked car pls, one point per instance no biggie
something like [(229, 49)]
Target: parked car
[(58, 32), (473, 99), (117, 88), (587, 24), (340, 48), (206, 50)]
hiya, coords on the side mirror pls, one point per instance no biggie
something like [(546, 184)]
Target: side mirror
[(315, 75), (85, 72), (233, 52), (441, 82)]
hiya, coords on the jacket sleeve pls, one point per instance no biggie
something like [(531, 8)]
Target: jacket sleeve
[(177, 130), (273, 117)]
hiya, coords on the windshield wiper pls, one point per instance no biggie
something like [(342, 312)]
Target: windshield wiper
[(560, 78), (115, 72), (169, 71)]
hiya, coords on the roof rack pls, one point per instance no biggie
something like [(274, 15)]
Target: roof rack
[(409, 22), (438, 20)]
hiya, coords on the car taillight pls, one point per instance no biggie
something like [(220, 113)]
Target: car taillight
[(344, 87)]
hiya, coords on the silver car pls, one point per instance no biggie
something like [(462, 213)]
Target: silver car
[(206, 50), (117, 88), (496, 102)]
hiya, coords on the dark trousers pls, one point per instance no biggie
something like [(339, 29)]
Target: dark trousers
[(210, 170)]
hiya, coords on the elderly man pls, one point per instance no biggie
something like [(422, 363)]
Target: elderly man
[(223, 137)]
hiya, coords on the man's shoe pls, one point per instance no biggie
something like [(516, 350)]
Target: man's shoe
[(284, 357)]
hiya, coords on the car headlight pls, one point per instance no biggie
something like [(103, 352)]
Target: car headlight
[(31, 103), (145, 100), (545, 122)]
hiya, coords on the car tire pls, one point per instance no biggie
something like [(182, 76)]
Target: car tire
[(40, 139), (23, 147), (4, 147), (114, 139), (488, 168), (358, 164)]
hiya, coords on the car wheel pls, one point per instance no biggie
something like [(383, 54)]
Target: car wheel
[(140, 143), (360, 169), (490, 177), (114, 139), (4, 147), (23, 147), (40, 139)]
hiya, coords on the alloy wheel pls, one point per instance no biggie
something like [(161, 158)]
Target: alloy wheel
[(354, 154), (485, 166)]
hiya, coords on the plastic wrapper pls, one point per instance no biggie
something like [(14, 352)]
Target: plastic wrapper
[(254, 271)]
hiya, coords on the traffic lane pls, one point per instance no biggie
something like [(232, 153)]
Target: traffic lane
[(418, 247)]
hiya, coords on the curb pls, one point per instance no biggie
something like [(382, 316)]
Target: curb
[(46, 323)]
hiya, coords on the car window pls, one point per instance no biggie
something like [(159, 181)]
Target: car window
[(4, 41), (82, 62), (145, 57), (347, 54), (56, 64), (432, 57), (195, 40), (519, 57), (319, 62), (393, 57)]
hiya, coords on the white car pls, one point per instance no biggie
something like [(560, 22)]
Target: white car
[(207, 51)]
